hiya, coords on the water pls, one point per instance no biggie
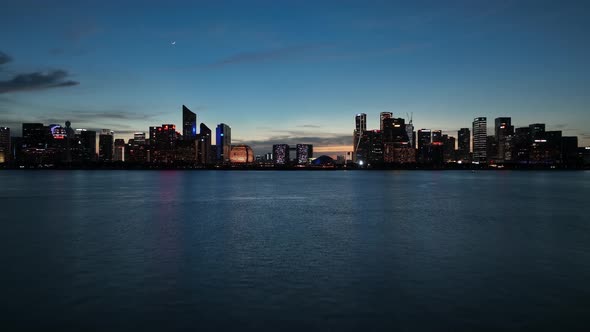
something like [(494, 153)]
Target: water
[(335, 250)]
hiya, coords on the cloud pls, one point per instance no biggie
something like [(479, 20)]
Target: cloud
[(308, 126), (263, 56), (35, 80), (4, 58)]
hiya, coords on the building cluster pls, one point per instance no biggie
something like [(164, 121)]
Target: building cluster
[(397, 143), (394, 144)]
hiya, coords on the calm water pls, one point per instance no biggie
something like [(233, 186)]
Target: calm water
[(407, 251)]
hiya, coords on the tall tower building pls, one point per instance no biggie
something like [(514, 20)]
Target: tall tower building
[(280, 154), (303, 153), (223, 142), (189, 124), (480, 133), (464, 144), (359, 129), (88, 142), (424, 138), (383, 116), (410, 132), (105, 145), (204, 146), (4, 144), (437, 136), (502, 130)]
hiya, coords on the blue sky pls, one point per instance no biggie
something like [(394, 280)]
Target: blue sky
[(295, 71)]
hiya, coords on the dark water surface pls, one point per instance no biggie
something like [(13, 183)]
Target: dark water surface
[(336, 250)]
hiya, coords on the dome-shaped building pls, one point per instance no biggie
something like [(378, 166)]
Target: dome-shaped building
[(241, 154), (323, 161)]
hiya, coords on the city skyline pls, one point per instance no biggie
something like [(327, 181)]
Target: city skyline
[(128, 67)]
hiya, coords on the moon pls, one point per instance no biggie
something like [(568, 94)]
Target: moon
[(173, 43)]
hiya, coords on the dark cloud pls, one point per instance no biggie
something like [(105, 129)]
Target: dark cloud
[(4, 58), (37, 81)]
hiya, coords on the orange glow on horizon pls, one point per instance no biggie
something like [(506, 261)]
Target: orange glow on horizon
[(332, 148)]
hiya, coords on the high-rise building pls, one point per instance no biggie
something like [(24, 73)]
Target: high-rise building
[(223, 142), (280, 154), (35, 135), (411, 134), (4, 144), (204, 155), (394, 130), (382, 117), (359, 130), (437, 136), (503, 130), (88, 145), (304, 152), (105, 145), (464, 144), (449, 148), (189, 124), (537, 130), (480, 133), (424, 138), (119, 154), (241, 154)]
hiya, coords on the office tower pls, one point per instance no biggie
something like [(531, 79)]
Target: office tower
[(119, 154), (374, 141), (223, 142), (464, 144), (105, 145), (139, 138), (491, 148), (359, 130), (424, 146), (480, 133), (502, 130), (569, 151), (394, 130), (204, 155), (437, 136), (449, 148), (241, 154), (537, 130), (189, 124), (88, 144), (424, 137), (383, 116), (4, 145), (304, 152), (280, 154), (411, 134), (137, 149), (35, 135)]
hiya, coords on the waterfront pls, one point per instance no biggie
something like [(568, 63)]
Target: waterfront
[(380, 250)]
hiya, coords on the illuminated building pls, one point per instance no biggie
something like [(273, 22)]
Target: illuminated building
[(437, 136), (480, 133), (189, 124), (280, 154), (105, 145), (204, 155), (424, 145), (398, 153), (165, 141), (521, 145), (502, 130), (411, 134), (360, 129), (382, 117), (4, 144), (394, 130), (449, 154), (223, 142), (34, 135), (304, 152), (537, 130), (241, 154)]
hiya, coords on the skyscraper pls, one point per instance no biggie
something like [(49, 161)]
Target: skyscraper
[(105, 145), (411, 134), (4, 144), (204, 156), (502, 130), (119, 154), (464, 144), (35, 135), (424, 138), (223, 142), (189, 124), (359, 130), (383, 116), (394, 130), (480, 133), (88, 142), (437, 136)]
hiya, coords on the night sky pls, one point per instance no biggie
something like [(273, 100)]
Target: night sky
[(295, 71)]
